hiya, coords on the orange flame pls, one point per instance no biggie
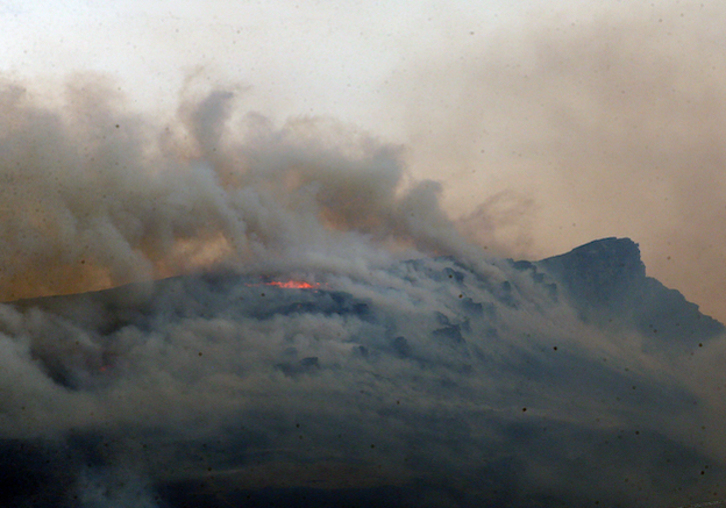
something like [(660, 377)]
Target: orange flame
[(294, 284)]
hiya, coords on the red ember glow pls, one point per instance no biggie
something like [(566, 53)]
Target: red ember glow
[(294, 284)]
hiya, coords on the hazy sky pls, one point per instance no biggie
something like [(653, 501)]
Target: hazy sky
[(548, 123), (299, 57)]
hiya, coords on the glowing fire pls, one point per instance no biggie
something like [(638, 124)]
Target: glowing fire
[(293, 284), (290, 284)]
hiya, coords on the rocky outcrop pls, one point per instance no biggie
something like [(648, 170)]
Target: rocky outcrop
[(606, 281)]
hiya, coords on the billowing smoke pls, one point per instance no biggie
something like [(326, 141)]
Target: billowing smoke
[(94, 196), (403, 368)]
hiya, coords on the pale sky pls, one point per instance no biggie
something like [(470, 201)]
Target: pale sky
[(562, 122), (324, 57)]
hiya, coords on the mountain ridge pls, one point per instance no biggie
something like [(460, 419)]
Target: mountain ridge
[(607, 276), (429, 365)]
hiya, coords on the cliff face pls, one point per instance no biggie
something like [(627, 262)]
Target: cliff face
[(606, 279), (599, 273)]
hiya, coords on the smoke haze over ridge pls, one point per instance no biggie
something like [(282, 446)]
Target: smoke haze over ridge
[(546, 125), (425, 376), (581, 121), (403, 366), (419, 364)]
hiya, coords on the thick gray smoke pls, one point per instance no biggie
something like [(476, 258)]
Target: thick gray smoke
[(406, 368), (94, 196)]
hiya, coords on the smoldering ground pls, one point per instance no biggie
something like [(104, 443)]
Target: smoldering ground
[(415, 370)]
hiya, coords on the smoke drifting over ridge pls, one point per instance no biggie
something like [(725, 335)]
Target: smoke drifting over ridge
[(93, 196), (581, 122), (419, 381), (412, 369)]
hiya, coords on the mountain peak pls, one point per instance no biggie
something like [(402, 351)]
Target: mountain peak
[(607, 277), (599, 271)]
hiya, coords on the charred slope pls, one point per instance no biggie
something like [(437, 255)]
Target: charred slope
[(606, 281)]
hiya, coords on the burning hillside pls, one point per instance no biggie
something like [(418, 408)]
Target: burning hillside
[(287, 317), (425, 379)]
